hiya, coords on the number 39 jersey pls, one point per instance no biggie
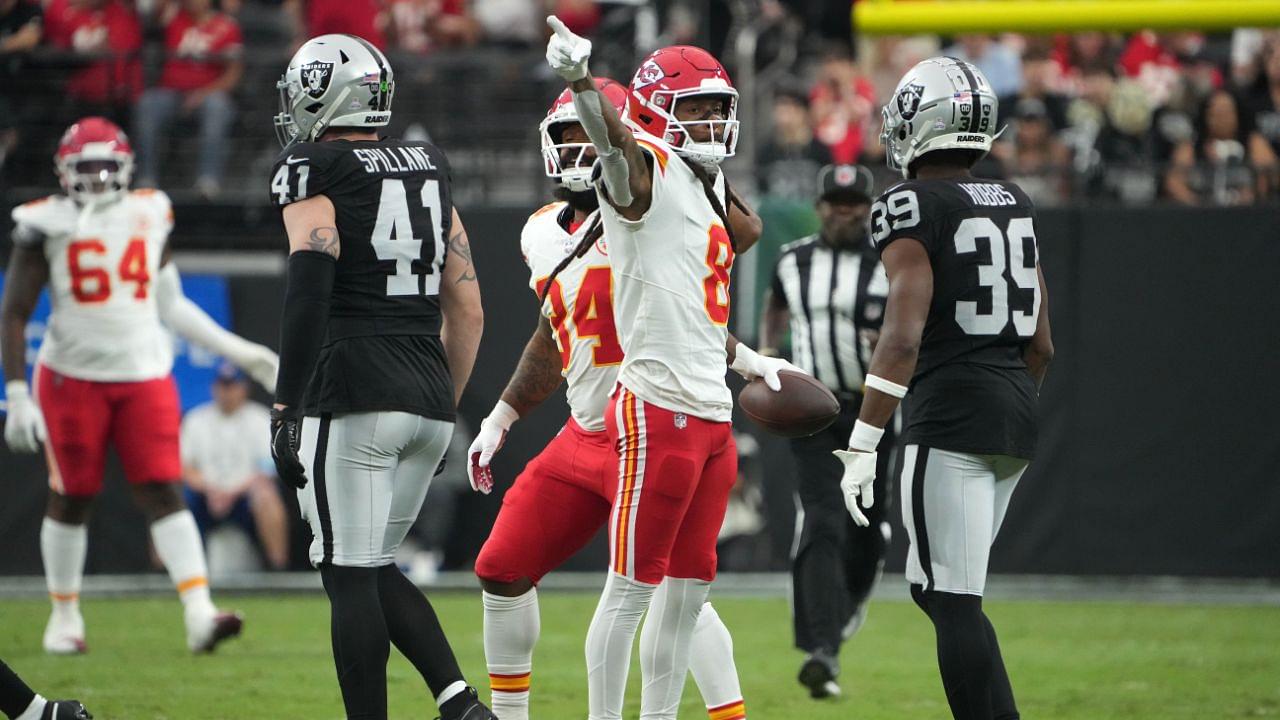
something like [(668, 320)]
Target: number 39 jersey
[(671, 291), (394, 210), (105, 326), (579, 306), (971, 391)]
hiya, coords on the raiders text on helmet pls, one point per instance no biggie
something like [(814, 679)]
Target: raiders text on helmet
[(333, 81), (941, 104), (574, 172), (668, 76)]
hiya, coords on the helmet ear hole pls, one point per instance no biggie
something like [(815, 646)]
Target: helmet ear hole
[(902, 133)]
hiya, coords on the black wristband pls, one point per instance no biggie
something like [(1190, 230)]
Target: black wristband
[(303, 322)]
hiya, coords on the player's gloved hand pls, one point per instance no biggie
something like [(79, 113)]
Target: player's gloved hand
[(858, 482), (286, 428), (24, 429), (260, 363), (493, 432), (751, 365), (567, 53)]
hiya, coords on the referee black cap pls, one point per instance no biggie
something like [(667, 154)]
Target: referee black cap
[(845, 182)]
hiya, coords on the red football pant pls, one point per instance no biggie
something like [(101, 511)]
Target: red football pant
[(674, 475), (139, 419), (555, 507)]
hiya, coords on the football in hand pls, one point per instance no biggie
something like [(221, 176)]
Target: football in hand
[(801, 408)]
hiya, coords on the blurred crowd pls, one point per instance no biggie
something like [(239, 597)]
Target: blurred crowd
[(1184, 117)]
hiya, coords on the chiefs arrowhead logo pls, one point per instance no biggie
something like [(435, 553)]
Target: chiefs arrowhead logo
[(649, 73)]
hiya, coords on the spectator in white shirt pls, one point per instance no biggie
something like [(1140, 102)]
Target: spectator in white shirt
[(227, 467)]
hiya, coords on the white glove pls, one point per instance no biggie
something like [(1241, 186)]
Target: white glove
[(24, 429), (261, 363), (567, 54), (751, 365), (859, 480), (493, 432)]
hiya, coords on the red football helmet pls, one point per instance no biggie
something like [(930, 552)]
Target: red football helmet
[(670, 75), (94, 160), (570, 163)]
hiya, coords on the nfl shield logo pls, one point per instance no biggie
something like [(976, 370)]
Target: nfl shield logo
[(682, 421), (316, 76)]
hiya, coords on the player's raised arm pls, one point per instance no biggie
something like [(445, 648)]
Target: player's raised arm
[(460, 306), (1039, 352), (623, 166), (537, 375), (907, 308), (27, 274), (313, 253), (191, 322)]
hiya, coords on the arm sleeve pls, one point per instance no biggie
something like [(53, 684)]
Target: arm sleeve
[(304, 321), (186, 318)]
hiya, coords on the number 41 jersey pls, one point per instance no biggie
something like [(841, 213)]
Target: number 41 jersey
[(394, 211), (971, 391)]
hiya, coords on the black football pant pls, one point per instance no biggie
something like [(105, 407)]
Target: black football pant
[(835, 563), (15, 696)]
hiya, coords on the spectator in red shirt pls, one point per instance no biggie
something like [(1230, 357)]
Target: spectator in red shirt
[(842, 103), (201, 69), (421, 26), (107, 36), (365, 19)]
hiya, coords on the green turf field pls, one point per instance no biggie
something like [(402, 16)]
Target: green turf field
[(1090, 661)]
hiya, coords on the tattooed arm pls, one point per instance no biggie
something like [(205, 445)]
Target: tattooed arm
[(537, 374), (460, 303), (312, 225)]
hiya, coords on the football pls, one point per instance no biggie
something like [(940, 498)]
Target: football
[(801, 408)]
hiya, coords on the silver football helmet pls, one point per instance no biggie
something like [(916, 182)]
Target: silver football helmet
[(941, 104), (333, 81)]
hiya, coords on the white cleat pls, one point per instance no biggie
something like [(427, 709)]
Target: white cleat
[(64, 635), (204, 634)]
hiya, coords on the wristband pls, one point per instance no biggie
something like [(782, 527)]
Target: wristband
[(888, 387), (17, 389), (502, 415), (865, 437)]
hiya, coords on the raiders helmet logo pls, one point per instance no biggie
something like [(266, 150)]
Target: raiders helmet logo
[(316, 76), (909, 100), (649, 73)]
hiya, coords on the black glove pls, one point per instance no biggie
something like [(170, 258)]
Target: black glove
[(285, 439), (65, 710)]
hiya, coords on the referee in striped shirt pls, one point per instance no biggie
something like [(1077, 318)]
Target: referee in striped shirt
[(830, 289)]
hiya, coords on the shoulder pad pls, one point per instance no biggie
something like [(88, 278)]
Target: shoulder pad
[(541, 225), (49, 216)]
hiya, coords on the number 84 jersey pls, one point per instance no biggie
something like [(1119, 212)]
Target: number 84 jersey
[(971, 391), (579, 307), (105, 326)]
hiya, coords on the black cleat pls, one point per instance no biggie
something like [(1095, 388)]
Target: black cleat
[(65, 710), (818, 673), (466, 706)]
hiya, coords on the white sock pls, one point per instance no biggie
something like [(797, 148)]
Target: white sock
[(177, 541), (455, 688), (713, 668), (609, 641), (666, 643), (63, 548), (34, 710), (511, 627)]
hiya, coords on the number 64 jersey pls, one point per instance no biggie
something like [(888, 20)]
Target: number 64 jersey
[(393, 211), (105, 326), (971, 391)]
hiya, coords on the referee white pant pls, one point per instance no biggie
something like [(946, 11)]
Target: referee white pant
[(368, 474), (953, 505)]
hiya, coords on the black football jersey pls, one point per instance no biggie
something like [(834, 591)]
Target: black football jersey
[(971, 391), (394, 211)]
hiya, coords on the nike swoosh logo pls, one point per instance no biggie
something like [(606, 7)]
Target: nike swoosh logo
[(292, 160)]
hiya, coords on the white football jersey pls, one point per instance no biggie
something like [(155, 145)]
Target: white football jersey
[(579, 306), (671, 291), (102, 260)]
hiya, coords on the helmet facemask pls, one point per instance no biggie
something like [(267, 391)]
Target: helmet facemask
[(681, 135), (96, 175), (568, 163)]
